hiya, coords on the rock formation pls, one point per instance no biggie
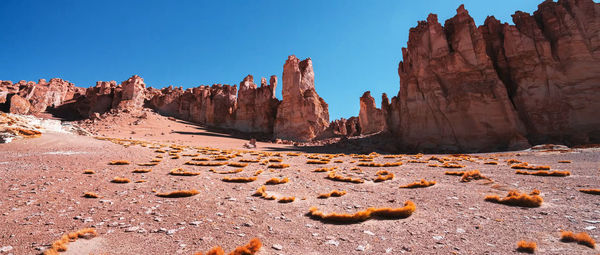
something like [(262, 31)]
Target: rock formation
[(302, 114), (39, 96), (465, 88), (342, 128), (257, 106), (550, 64), (371, 118), (130, 95)]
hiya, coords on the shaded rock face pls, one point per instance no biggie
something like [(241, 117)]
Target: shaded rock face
[(465, 88), (98, 99), (130, 95), (257, 106), (451, 97), (371, 118), (302, 114), (342, 128), (550, 64)]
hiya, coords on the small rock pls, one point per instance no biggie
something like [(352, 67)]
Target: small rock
[(333, 242), (195, 223), (277, 247), (438, 238), (360, 248), (6, 248), (369, 232), (590, 228), (171, 231), (132, 229)]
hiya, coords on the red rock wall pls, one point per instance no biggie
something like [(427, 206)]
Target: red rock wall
[(465, 88)]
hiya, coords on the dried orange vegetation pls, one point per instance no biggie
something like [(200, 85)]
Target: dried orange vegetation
[(140, 181), (89, 171), (325, 169), (262, 192), (286, 199), (258, 172), (544, 173), (160, 151), (277, 160), (278, 166), (338, 161), (139, 171), (206, 163), (360, 216), (452, 165), (235, 164), (526, 165), (249, 249), (420, 184), (528, 247), (459, 173), (318, 161), (274, 181), (513, 161), (473, 175), (182, 172), (491, 163), (417, 161), (120, 180), (581, 238), (179, 193), (383, 175), (514, 198), (200, 159), (61, 244), (175, 157), (250, 160), (337, 177), (564, 161), (380, 165), (234, 171), (26, 133), (239, 179), (119, 162), (156, 160), (90, 195), (335, 193), (148, 164), (433, 165), (591, 191)]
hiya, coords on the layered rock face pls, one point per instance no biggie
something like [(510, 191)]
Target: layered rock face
[(302, 114), (371, 118), (257, 106), (550, 64), (465, 88), (451, 97), (130, 95), (39, 96)]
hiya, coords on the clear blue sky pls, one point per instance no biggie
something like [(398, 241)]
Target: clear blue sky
[(355, 45)]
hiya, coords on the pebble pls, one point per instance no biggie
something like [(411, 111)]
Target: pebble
[(132, 229), (171, 231), (6, 248), (360, 248), (438, 238), (333, 242), (460, 231), (277, 247), (369, 232), (195, 223), (590, 228)]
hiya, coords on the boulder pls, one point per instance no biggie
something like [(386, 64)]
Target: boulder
[(19, 105)]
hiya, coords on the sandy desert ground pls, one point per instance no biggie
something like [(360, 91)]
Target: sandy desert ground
[(43, 184)]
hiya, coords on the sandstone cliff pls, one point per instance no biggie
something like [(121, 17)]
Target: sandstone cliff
[(302, 114), (371, 118)]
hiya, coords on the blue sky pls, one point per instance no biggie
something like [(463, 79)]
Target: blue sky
[(355, 45)]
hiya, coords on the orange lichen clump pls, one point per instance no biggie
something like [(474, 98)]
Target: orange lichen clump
[(239, 179), (420, 184), (286, 199), (545, 173), (317, 161), (179, 193), (182, 172), (371, 164), (227, 172), (336, 177), (525, 165), (473, 175), (120, 180), (325, 169), (452, 165), (514, 198), (206, 163), (148, 164), (383, 175), (61, 244), (139, 171), (581, 238), (249, 249), (90, 195), (591, 191), (528, 247), (274, 181), (119, 162), (89, 171), (335, 193), (491, 163), (458, 173), (262, 192), (278, 166), (360, 216), (235, 164)]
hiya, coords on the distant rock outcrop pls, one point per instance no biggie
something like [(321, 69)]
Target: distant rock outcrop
[(371, 118), (39, 96), (302, 114), (257, 106)]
